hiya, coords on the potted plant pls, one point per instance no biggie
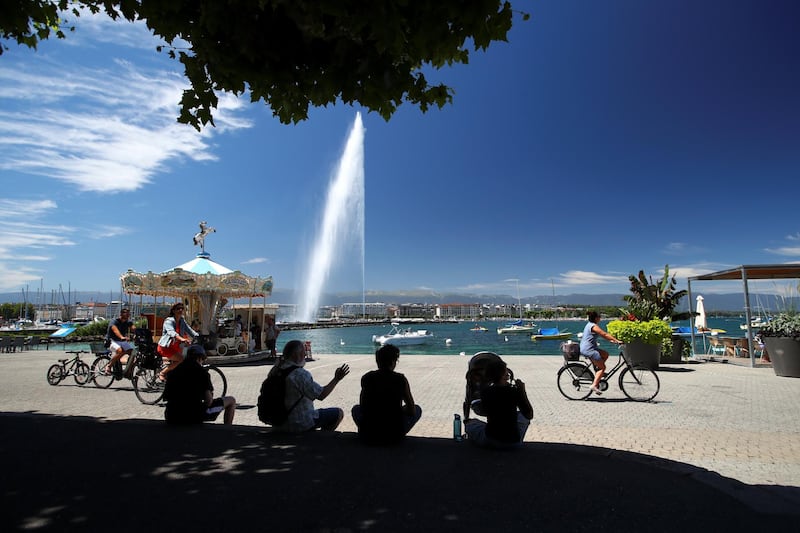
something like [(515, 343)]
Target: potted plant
[(781, 336), (643, 339), (653, 305)]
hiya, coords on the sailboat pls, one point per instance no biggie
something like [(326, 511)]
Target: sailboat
[(520, 326), (551, 334), (758, 321)]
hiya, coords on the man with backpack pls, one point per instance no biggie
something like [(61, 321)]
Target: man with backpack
[(294, 384)]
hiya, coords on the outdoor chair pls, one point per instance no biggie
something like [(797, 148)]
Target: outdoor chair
[(5, 343), (742, 349), (715, 346), (730, 347)]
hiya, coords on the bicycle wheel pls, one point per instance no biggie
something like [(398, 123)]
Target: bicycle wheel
[(82, 373), (218, 380), (98, 372), (575, 381), (148, 388), (55, 374), (639, 384)]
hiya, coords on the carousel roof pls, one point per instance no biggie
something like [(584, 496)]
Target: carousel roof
[(200, 275), (203, 265)]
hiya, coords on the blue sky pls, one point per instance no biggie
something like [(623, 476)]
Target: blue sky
[(603, 138)]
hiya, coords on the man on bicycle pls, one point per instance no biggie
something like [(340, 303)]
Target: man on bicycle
[(117, 338), (590, 349)]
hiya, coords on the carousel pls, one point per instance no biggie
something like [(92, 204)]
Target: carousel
[(205, 287)]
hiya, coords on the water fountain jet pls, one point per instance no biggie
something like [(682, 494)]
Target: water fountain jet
[(341, 224)]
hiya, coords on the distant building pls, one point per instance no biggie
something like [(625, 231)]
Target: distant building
[(471, 311), (416, 310), (363, 310)]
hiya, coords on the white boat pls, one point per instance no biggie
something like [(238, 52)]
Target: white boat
[(755, 323), (550, 334), (517, 327), (403, 337)]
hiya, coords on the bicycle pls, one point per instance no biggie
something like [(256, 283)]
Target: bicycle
[(143, 368), (575, 379), (69, 367), (149, 388)]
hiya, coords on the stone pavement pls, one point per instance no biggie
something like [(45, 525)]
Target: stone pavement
[(725, 438)]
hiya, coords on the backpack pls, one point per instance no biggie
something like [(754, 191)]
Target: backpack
[(272, 398)]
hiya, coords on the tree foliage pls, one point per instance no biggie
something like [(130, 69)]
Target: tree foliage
[(12, 311), (649, 300), (293, 54)]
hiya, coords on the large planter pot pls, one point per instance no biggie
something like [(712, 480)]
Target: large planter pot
[(784, 352), (644, 355), (676, 356)]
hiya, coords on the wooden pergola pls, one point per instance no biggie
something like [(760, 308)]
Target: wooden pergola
[(746, 273)]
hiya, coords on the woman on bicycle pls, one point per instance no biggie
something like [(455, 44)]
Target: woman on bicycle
[(175, 333), (590, 349)]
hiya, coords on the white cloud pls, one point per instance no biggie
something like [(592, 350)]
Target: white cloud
[(22, 231), (582, 277), (255, 260), (784, 250), (107, 129)]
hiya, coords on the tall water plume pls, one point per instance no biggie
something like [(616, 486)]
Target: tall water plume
[(341, 225)]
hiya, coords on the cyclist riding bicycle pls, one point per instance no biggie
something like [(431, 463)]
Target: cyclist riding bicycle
[(175, 333), (590, 349), (118, 340)]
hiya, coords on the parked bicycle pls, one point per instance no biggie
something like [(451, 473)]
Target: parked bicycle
[(69, 367), (143, 368), (575, 379)]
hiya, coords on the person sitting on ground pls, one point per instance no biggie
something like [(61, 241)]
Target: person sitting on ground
[(119, 342), (386, 412), (174, 334), (190, 395), (508, 411), (590, 349), (301, 391)]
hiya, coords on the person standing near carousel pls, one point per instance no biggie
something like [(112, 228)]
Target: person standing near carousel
[(175, 333)]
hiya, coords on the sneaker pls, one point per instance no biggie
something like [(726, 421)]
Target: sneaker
[(597, 391)]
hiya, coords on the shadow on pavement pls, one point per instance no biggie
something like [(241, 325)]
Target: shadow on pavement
[(88, 474)]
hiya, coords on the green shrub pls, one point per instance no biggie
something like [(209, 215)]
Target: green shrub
[(92, 329), (782, 325), (648, 332)]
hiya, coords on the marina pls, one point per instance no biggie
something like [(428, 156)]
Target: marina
[(463, 339)]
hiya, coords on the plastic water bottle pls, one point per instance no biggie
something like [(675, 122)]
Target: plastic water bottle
[(457, 427)]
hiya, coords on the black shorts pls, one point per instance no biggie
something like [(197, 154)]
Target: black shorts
[(213, 411)]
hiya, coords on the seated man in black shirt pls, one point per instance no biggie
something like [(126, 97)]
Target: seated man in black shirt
[(386, 412), (505, 426), (190, 395)]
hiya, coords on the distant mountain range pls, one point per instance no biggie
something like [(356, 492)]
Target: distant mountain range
[(713, 302)]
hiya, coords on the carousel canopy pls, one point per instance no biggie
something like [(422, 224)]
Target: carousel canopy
[(203, 265), (201, 275)]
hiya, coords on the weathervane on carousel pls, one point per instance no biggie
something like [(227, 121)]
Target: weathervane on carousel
[(200, 237)]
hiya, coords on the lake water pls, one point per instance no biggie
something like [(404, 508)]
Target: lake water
[(358, 340)]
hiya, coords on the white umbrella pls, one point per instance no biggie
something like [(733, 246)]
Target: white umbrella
[(700, 319)]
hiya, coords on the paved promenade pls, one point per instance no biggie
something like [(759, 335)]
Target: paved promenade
[(729, 431)]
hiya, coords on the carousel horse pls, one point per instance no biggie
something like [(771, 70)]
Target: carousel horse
[(200, 237)]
